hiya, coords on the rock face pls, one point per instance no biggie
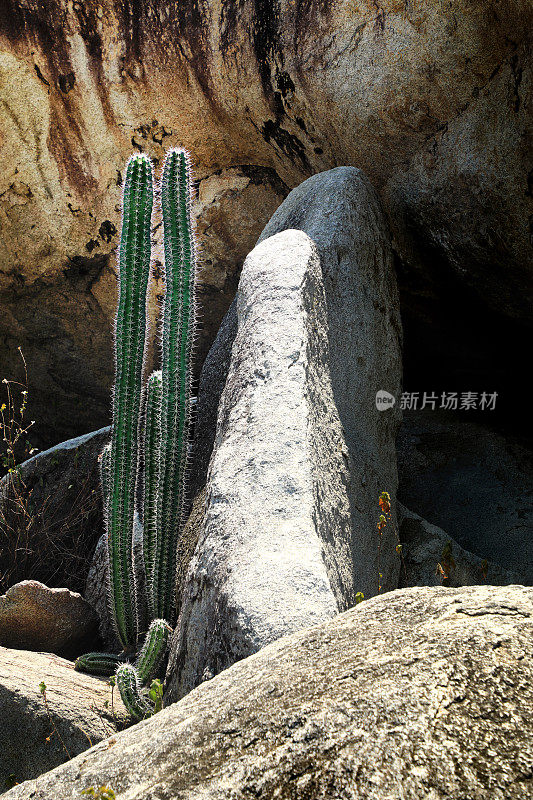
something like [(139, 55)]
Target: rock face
[(422, 692), (259, 569), (425, 546), (80, 714), (472, 483), (301, 452), (35, 617), (264, 95), (51, 519)]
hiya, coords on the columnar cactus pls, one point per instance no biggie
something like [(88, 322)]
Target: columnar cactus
[(178, 328), (130, 332), (166, 427)]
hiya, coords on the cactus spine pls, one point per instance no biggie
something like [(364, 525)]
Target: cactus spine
[(167, 425)]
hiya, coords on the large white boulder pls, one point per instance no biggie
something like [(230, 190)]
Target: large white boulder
[(301, 452)]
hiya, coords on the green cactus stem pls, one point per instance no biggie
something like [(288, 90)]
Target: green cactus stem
[(134, 266), (97, 663), (152, 448), (130, 691), (177, 338), (153, 650)]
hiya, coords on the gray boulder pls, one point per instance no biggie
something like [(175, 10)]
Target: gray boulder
[(425, 546), (471, 482), (301, 452), (35, 617), (51, 515), (420, 693), (34, 738)]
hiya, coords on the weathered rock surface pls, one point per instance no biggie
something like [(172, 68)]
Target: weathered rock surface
[(477, 159), (51, 519), (430, 100), (259, 571), (425, 546), (35, 617), (471, 482), (301, 453), (188, 541), (419, 693), (32, 740)]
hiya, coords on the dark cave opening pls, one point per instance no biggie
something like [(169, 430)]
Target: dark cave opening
[(453, 342)]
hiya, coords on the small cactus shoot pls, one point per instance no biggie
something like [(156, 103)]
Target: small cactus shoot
[(97, 663), (153, 650), (131, 694)]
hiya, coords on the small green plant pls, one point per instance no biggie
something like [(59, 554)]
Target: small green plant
[(446, 565), (16, 518), (156, 694), (161, 442), (13, 425), (359, 597), (11, 781), (101, 793), (42, 689), (385, 518)]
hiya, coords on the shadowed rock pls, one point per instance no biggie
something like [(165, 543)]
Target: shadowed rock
[(473, 483), (424, 547), (34, 739), (35, 617), (51, 514)]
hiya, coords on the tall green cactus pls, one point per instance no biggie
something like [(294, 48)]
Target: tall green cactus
[(130, 332), (167, 425), (178, 328)]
